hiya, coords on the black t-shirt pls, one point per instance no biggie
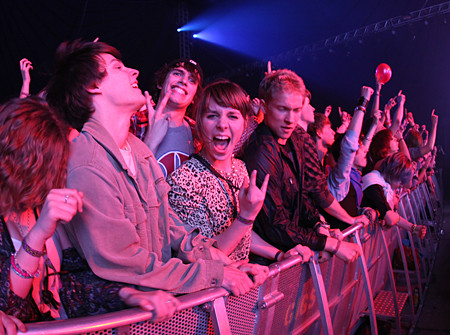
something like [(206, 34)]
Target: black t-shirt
[(374, 198)]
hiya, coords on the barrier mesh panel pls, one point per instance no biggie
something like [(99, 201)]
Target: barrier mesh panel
[(103, 332), (242, 312), (191, 321)]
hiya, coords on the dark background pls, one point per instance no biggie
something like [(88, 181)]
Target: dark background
[(250, 33)]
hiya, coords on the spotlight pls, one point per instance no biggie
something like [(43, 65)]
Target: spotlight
[(178, 30), (195, 36)]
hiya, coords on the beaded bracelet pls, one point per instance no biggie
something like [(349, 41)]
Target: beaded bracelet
[(245, 221), (21, 272), (30, 251)]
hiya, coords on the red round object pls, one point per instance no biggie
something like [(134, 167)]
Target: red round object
[(383, 73)]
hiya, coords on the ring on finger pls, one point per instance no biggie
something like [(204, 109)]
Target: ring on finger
[(66, 198)]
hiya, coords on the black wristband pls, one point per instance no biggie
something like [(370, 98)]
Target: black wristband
[(278, 254), (362, 102)]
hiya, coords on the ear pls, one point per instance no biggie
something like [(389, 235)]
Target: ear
[(263, 106), (95, 89)]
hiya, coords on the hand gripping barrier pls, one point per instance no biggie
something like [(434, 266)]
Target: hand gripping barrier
[(312, 298)]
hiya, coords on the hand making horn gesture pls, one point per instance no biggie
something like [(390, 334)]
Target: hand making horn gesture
[(251, 198)]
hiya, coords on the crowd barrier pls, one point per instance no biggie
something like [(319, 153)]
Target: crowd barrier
[(313, 298)]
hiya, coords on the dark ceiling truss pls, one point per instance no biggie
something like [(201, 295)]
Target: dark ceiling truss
[(356, 34)]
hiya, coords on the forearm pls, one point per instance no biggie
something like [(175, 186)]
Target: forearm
[(262, 248), (431, 141), (404, 148), (25, 90), (357, 121), (229, 239), (27, 262), (336, 210), (397, 119)]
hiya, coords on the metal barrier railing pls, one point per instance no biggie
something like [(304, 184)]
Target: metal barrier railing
[(311, 298)]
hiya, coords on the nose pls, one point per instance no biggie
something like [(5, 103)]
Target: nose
[(222, 123), (134, 72), (289, 117), (183, 79)]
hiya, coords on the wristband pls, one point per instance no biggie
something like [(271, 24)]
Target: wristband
[(245, 221), (362, 102), (279, 252), (30, 251), (413, 228)]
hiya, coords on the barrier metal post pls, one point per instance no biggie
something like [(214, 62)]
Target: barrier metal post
[(366, 280), (321, 294)]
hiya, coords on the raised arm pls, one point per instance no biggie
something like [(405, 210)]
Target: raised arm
[(398, 115), (432, 135)]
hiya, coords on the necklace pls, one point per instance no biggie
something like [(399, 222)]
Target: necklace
[(230, 175)]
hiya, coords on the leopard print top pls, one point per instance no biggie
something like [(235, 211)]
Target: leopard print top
[(204, 201)]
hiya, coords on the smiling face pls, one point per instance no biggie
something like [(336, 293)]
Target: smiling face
[(222, 127), (282, 113), (120, 86), (183, 86)]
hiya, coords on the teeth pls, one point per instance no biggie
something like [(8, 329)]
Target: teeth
[(179, 90), (222, 138), (135, 85)]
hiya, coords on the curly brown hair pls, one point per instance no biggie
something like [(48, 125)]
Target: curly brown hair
[(33, 153)]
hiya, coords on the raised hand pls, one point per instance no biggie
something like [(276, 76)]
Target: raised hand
[(434, 119), (251, 198), (410, 118), (401, 98), (59, 206), (162, 304), (328, 110), (390, 104), (345, 117), (366, 92), (269, 68), (25, 67), (158, 123)]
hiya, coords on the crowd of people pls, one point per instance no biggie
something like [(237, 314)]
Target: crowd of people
[(109, 200)]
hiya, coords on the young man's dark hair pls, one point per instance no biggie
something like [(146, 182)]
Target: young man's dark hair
[(67, 90)]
